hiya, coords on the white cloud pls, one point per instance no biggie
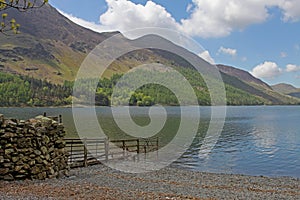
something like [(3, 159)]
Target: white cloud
[(125, 15), (228, 51), (292, 68), (90, 25), (206, 56), (267, 70), (291, 10), (217, 18), (189, 7)]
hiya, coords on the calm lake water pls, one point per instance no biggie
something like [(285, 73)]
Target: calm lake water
[(255, 140)]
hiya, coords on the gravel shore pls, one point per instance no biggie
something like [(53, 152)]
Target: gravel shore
[(101, 182)]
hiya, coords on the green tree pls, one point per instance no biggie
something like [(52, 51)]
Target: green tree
[(147, 101)]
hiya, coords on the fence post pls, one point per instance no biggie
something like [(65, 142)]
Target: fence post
[(106, 143), (145, 151), (124, 148), (157, 146), (138, 146), (96, 149), (85, 164), (71, 155), (60, 119), (138, 149)]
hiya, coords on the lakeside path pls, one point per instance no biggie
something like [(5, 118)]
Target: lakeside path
[(100, 182)]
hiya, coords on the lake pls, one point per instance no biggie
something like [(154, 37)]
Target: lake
[(262, 140)]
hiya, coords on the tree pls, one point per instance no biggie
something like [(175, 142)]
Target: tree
[(20, 5)]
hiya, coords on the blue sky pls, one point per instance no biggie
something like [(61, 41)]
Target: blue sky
[(262, 37)]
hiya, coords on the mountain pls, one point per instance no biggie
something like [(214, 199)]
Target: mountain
[(49, 45), (52, 48), (287, 89), (244, 81), (243, 75)]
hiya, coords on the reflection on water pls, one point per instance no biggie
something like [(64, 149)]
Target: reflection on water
[(264, 140), (255, 140)]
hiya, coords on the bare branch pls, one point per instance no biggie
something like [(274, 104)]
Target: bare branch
[(20, 5)]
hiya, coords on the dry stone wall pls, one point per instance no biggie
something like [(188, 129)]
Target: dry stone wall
[(32, 149)]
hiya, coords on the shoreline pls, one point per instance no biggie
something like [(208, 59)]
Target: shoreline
[(85, 106), (101, 182)]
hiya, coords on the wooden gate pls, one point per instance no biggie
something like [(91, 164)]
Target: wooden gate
[(87, 151)]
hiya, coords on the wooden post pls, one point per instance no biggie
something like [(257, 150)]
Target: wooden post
[(71, 157), (45, 114), (138, 149), (60, 119), (124, 148), (106, 143), (157, 146), (145, 151), (85, 164), (97, 149), (138, 146)]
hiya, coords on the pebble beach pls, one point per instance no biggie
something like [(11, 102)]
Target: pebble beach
[(101, 182)]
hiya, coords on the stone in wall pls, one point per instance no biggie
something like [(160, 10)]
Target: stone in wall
[(32, 149)]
